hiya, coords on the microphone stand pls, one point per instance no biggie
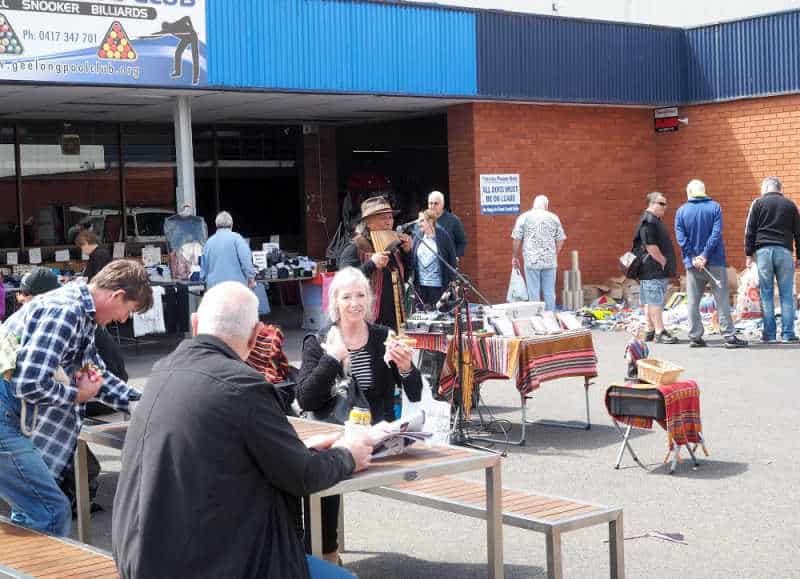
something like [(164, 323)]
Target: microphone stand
[(460, 286)]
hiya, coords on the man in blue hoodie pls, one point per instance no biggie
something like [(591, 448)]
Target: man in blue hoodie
[(698, 230)]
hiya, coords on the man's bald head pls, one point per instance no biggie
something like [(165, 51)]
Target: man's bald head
[(229, 311)]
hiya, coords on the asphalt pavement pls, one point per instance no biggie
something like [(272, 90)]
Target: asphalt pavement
[(735, 512)]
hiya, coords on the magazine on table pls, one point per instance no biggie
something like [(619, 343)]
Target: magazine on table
[(392, 438)]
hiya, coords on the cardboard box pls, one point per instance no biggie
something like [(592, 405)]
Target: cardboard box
[(591, 293), (631, 295)]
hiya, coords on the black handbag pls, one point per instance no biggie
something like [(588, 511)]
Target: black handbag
[(631, 261), (345, 395)]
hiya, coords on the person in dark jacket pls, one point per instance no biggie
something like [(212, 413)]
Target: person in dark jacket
[(657, 268), (773, 224), (86, 240), (379, 266), (698, 230), (355, 346), (431, 277), (448, 221), (212, 471)]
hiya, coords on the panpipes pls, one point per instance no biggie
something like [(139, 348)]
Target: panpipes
[(388, 240)]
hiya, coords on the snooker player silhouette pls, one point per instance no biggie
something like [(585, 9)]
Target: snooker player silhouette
[(183, 30)]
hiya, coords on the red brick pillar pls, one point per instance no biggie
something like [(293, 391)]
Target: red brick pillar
[(321, 195), (461, 166), (487, 259)]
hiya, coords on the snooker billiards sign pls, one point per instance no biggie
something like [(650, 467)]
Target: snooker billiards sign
[(126, 42)]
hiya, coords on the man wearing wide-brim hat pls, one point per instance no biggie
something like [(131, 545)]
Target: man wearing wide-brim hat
[(377, 215)]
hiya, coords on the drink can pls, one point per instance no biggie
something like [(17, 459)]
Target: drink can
[(361, 416)]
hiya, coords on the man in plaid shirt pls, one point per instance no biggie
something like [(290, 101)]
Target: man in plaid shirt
[(57, 331)]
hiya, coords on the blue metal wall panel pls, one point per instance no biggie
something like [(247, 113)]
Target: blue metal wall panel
[(558, 59), (753, 57), (338, 45)]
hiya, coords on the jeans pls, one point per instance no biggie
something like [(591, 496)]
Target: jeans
[(696, 281), (653, 292), (544, 280), (776, 262), (319, 569), (25, 481)]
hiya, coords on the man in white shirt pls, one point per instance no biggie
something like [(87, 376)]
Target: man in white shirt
[(539, 236)]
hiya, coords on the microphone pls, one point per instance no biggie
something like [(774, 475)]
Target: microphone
[(402, 228)]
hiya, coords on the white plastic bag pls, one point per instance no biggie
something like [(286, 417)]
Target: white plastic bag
[(748, 299), (437, 414), (517, 292)]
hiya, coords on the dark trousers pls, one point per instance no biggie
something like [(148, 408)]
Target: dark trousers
[(430, 295)]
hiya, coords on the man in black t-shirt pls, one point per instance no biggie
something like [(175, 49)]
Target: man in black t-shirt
[(658, 266)]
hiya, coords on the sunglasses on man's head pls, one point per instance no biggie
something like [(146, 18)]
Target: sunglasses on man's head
[(662, 203)]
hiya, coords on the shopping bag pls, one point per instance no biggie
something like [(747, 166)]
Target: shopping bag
[(517, 292), (345, 395), (437, 414), (748, 299)]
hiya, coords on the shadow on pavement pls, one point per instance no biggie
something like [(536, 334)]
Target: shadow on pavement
[(399, 566), (708, 469)]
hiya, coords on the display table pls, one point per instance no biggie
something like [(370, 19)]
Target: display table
[(676, 407), (527, 361)]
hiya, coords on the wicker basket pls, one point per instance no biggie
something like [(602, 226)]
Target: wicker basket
[(656, 371)]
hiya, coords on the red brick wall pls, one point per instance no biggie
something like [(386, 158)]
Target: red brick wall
[(732, 147), (594, 163), (321, 200)]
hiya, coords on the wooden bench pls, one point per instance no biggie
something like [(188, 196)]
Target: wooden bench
[(552, 516), (25, 553)]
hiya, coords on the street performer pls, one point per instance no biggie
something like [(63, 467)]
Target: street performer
[(382, 256)]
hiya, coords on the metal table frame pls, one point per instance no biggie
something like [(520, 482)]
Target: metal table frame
[(674, 453), (103, 435), (419, 466)]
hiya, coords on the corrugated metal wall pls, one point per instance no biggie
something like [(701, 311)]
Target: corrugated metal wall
[(336, 45), (754, 57), (390, 48), (559, 59)]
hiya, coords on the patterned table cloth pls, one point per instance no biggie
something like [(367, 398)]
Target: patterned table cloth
[(528, 361), (681, 402)]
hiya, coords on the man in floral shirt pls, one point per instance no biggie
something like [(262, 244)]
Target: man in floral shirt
[(540, 236)]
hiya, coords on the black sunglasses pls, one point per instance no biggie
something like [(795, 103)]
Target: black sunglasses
[(662, 203)]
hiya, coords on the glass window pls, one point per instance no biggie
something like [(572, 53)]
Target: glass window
[(149, 224), (150, 179), (70, 179), (9, 223)]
